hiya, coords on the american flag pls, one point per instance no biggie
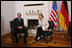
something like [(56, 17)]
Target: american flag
[(54, 14)]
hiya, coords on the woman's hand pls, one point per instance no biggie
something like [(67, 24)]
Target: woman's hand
[(36, 27), (46, 29)]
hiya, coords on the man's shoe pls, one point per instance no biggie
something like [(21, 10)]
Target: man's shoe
[(16, 42), (25, 41)]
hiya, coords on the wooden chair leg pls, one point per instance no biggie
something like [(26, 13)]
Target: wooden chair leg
[(51, 37), (13, 39), (48, 39)]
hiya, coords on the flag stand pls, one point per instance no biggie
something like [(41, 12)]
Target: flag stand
[(62, 34)]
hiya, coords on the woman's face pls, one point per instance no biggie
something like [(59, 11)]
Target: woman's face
[(39, 16)]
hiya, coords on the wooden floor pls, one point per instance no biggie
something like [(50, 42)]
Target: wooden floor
[(57, 41)]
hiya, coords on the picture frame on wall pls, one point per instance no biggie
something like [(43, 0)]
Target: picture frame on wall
[(31, 11)]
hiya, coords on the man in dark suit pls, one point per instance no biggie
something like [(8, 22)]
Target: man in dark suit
[(20, 28)]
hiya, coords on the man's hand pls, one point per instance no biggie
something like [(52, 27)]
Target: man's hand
[(20, 27)]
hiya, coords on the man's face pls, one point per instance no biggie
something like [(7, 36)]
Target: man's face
[(19, 15)]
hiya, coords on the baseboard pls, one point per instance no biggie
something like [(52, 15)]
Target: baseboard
[(5, 34)]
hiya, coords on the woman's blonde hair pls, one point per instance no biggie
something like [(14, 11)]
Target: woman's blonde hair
[(41, 15)]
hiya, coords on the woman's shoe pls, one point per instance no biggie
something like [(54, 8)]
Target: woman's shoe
[(34, 41)]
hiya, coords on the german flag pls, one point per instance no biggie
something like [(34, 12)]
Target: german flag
[(64, 17)]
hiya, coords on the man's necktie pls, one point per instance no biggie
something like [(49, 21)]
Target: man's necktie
[(19, 19)]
